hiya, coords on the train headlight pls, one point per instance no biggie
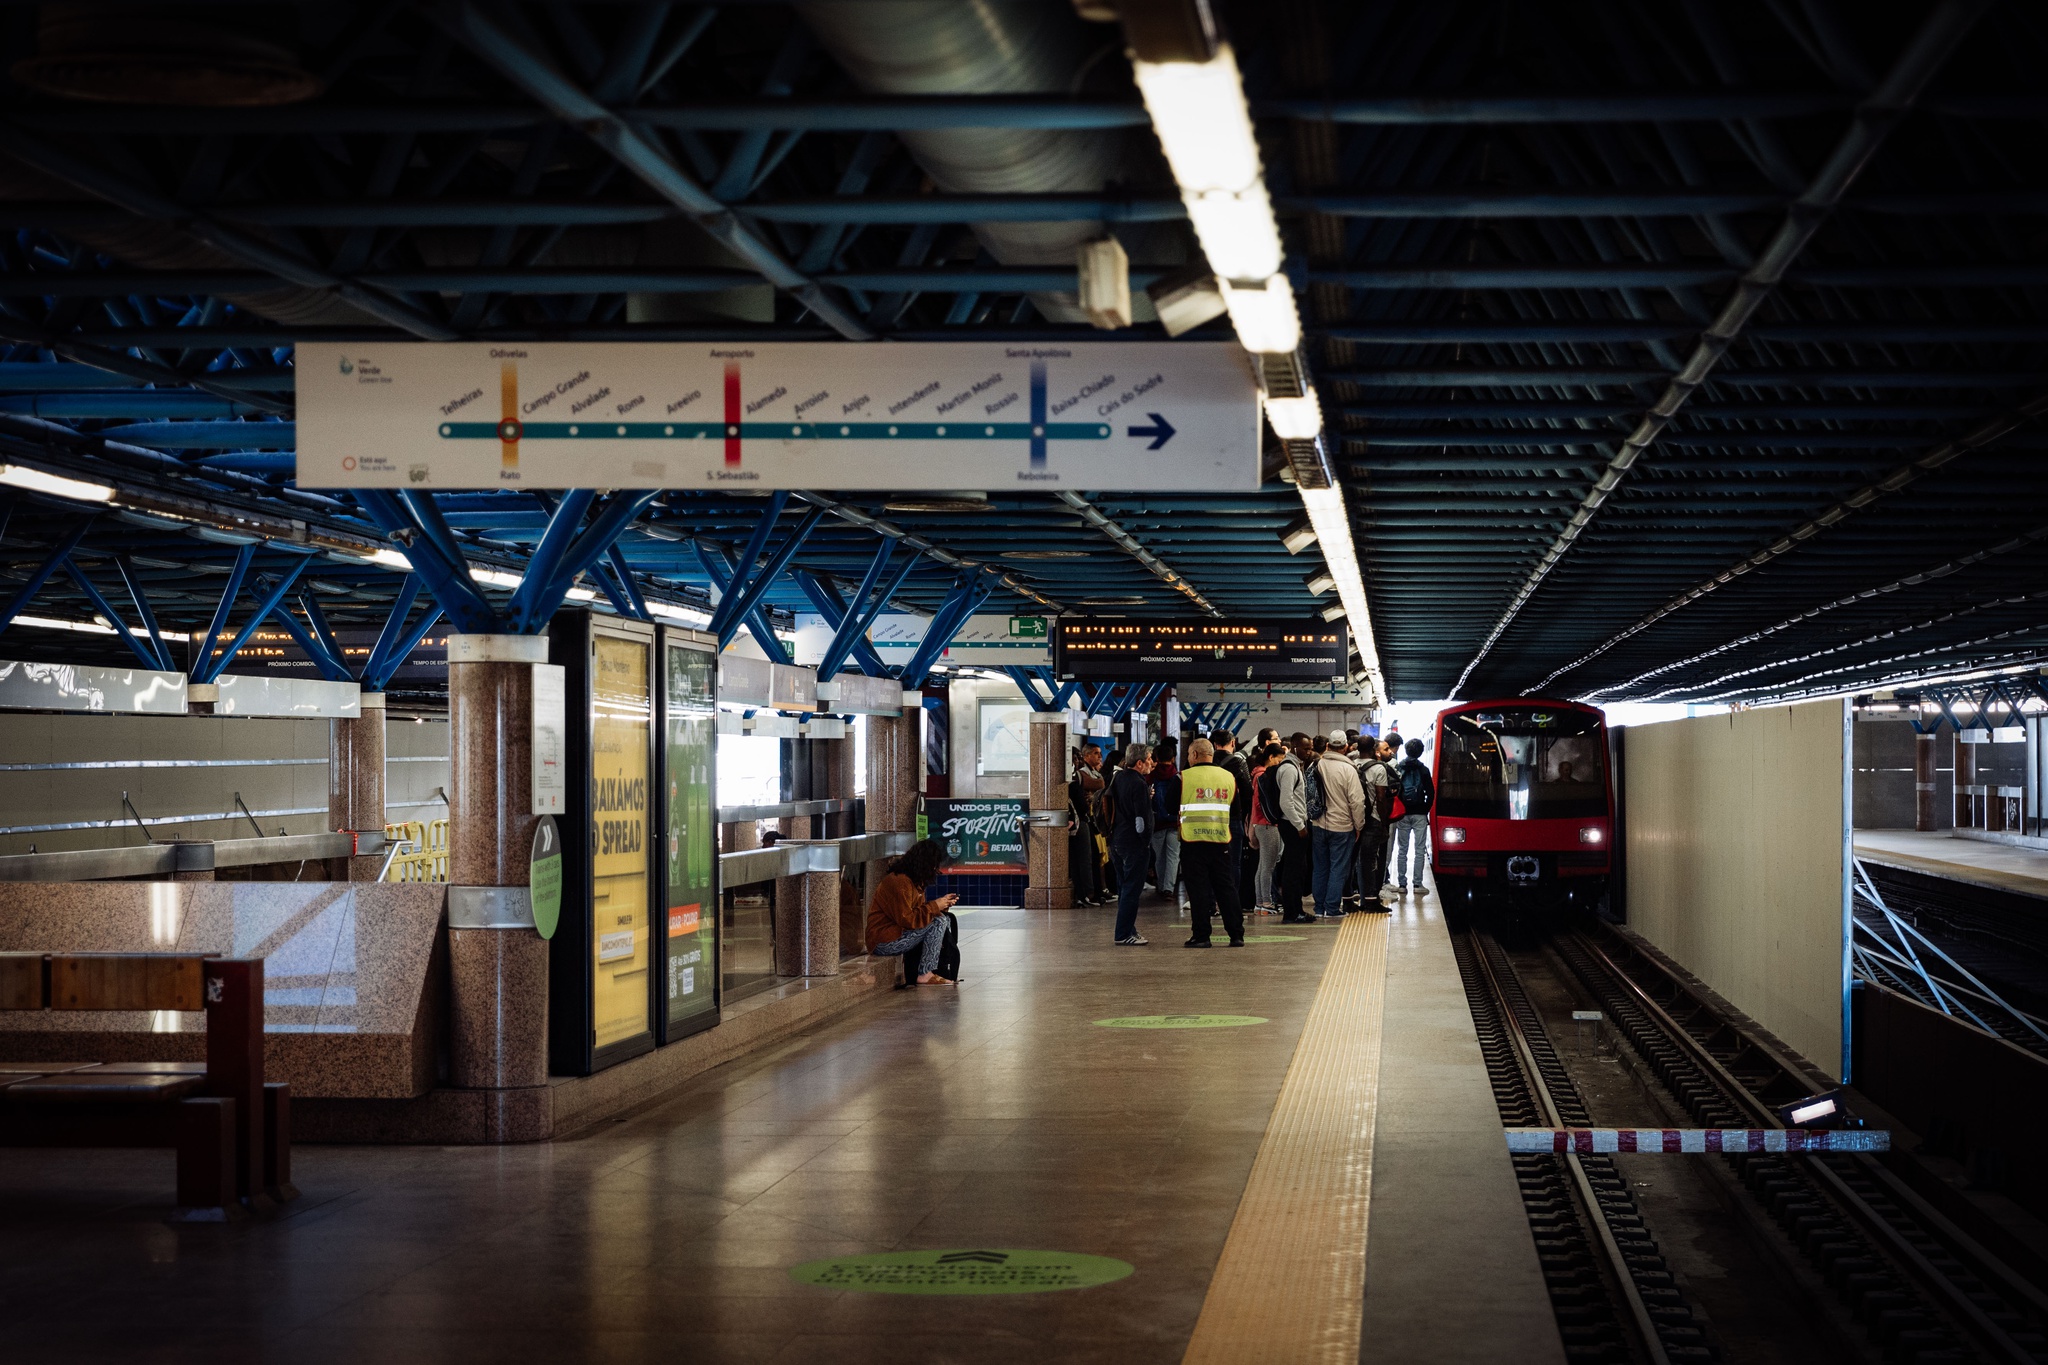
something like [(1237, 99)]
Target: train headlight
[(1592, 834), (1453, 834)]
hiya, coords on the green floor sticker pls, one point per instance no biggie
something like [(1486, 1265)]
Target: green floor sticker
[(1181, 1021), (1274, 938), (962, 1272)]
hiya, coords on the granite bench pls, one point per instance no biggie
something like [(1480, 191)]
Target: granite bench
[(232, 1132)]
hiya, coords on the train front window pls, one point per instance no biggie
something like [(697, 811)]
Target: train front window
[(1522, 763)]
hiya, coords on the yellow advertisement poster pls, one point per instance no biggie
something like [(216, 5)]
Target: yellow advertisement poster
[(622, 727)]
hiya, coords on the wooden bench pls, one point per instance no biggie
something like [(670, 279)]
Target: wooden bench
[(232, 1131)]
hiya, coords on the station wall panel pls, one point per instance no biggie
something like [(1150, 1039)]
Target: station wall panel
[(1735, 832), (1884, 774), (65, 774)]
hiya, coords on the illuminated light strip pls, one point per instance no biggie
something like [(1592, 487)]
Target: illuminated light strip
[(1325, 507), (90, 627), (1705, 1140)]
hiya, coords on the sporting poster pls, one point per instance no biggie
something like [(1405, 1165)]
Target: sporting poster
[(978, 834), (1142, 416)]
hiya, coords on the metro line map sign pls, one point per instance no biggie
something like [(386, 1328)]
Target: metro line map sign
[(1116, 416)]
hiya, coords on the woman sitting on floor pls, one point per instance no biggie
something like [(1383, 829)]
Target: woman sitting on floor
[(901, 921)]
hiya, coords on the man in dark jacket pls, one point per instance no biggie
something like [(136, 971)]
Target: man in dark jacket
[(1127, 809), (1240, 811)]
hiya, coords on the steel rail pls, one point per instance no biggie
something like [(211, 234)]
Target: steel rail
[(1954, 1299), (1646, 1325)]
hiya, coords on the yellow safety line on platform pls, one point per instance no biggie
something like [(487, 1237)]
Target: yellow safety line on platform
[(1290, 1285)]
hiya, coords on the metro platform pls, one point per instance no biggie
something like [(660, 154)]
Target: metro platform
[(995, 1116), (1999, 866)]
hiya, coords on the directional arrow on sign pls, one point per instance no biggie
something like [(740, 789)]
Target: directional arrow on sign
[(1161, 431)]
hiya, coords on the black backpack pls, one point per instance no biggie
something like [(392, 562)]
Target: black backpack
[(1418, 793)]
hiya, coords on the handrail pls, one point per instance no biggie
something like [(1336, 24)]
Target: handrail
[(167, 858), (786, 810), (795, 857)]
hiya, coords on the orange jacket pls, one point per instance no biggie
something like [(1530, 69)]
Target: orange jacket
[(896, 908)]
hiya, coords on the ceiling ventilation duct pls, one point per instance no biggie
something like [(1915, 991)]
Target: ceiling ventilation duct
[(992, 47), (211, 56), (207, 55)]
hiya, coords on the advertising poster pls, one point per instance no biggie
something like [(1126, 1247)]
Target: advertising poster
[(621, 728), (689, 854), (979, 834)]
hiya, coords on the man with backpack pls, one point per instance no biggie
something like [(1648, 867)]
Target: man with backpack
[(1290, 785), (1418, 794), (1376, 775), (1336, 805), (1166, 828)]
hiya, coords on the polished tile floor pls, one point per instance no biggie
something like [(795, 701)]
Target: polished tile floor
[(997, 1115)]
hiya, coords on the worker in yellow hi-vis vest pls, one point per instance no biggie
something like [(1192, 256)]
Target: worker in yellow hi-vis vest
[(1206, 794)]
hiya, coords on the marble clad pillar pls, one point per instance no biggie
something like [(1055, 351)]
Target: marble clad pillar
[(1045, 837), (807, 937), (895, 776), (355, 780), (498, 999), (1924, 782)]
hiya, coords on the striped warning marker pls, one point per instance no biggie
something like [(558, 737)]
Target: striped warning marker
[(1698, 1140)]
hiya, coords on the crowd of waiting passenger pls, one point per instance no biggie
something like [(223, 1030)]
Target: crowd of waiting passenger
[(1309, 830)]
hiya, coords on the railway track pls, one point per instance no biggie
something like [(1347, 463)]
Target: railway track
[(1922, 1288), (1609, 1286)]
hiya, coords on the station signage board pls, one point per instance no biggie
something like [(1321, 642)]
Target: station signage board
[(1198, 649), (986, 638), (272, 652), (996, 416)]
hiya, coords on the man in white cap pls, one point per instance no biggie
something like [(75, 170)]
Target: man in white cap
[(1335, 829)]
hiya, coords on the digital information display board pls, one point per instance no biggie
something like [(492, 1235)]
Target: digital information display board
[(1198, 649)]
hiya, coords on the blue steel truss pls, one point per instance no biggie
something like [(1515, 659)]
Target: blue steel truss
[(1708, 324)]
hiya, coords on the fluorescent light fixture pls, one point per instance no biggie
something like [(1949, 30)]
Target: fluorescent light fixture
[(1333, 612), (1325, 508), (1263, 314), (688, 616), (496, 578), (1205, 128), (1204, 124), (1237, 232), (56, 485), (1297, 419), (52, 623), (392, 559), (1319, 583)]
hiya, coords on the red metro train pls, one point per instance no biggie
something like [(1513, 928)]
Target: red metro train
[(1524, 808)]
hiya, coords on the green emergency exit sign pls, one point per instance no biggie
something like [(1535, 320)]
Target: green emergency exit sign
[(1027, 627)]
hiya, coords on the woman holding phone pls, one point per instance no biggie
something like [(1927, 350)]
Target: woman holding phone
[(901, 921)]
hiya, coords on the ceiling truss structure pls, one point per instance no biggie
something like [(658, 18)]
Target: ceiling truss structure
[(1668, 350)]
